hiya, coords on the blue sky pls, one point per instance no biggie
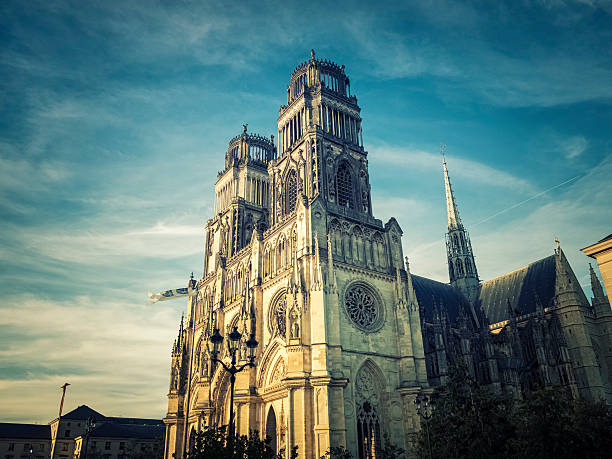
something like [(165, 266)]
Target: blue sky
[(115, 116)]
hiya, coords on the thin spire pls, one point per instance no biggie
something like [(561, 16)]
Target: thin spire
[(596, 285), (454, 221)]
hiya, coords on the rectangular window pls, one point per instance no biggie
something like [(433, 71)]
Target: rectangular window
[(107, 445), (41, 447), (64, 446), (107, 456), (26, 447), (67, 434), (11, 447), (122, 445)]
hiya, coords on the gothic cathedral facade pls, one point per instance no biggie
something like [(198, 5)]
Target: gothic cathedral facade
[(295, 255)]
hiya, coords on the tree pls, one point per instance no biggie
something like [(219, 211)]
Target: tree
[(470, 422), (213, 443), (551, 424), (467, 421), (337, 452), (388, 451)]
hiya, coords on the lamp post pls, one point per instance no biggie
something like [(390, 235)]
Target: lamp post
[(233, 342), (89, 426), (424, 407)]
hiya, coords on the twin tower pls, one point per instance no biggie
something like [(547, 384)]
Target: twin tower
[(295, 256)]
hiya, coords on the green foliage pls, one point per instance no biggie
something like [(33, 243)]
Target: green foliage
[(213, 443), (550, 424), (388, 451), (337, 452), (470, 422)]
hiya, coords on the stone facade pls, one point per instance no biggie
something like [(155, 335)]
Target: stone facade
[(347, 335), (295, 255)]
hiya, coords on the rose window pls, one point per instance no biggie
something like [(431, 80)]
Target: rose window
[(363, 307)]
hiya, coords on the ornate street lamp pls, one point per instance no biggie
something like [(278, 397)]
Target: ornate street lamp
[(233, 343), (424, 406), (89, 426)]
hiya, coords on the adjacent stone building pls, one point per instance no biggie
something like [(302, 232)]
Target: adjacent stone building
[(530, 328), (347, 335), (112, 440), (63, 438), (27, 441)]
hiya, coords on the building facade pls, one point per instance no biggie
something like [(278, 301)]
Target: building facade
[(69, 435), (348, 336), (295, 255), (112, 440), (24, 441)]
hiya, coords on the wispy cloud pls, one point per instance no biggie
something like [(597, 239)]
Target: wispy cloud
[(461, 47), (467, 169), (574, 146), (70, 336), (503, 244)]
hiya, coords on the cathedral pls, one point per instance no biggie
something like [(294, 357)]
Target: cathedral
[(347, 337)]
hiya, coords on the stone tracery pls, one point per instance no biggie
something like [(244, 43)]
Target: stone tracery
[(363, 307)]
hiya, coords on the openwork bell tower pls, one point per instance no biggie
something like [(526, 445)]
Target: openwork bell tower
[(461, 265)]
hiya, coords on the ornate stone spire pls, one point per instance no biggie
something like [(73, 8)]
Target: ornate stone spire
[(454, 221), (595, 284), (461, 264), (600, 301)]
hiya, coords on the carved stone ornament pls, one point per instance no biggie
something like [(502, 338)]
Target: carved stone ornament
[(279, 372), (366, 388), (363, 307), (277, 318)]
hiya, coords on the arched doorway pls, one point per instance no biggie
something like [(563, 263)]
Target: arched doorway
[(271, 428)]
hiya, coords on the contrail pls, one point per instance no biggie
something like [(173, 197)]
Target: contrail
[(514, 206), (526, 200)]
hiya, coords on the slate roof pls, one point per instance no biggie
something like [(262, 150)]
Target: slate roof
[(522, 288), (429, 291), (608, 237), (83, 412), (141, 421), (30, 431), (112, 430)]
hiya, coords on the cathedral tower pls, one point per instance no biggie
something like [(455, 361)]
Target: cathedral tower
[(294, 255), (242, 197), (461, 265)]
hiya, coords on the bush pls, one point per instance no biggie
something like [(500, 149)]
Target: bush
[(214, 443)]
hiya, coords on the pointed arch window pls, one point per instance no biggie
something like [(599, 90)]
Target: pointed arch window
[(369, 394), (459, 268), (344, 185), (368, 431), (468, 266), (290, 192), (271, 429)]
